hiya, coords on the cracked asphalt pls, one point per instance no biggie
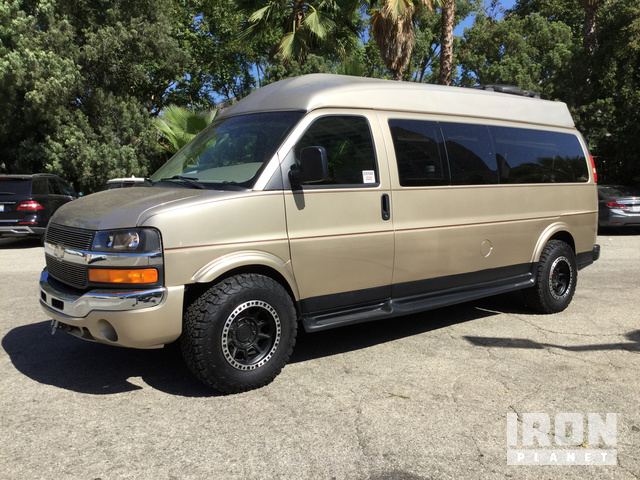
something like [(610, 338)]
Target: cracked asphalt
[(421, 397)]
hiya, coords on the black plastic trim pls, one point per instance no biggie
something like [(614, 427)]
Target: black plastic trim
[(584, 259), (326, 303), (325, 312)]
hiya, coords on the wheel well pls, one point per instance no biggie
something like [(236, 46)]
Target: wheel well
[(565, 237), (194, 290)]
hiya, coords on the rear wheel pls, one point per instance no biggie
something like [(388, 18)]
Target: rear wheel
[(239, 333), (556, 279)]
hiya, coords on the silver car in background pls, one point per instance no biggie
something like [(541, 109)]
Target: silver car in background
[(619, 206)]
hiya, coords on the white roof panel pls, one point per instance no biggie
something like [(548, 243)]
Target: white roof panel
[(310, 92)]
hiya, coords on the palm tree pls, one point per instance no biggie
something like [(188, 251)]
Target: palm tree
[(589, 26), (446, 41), (308, 22), (392, 28), (178, 126)]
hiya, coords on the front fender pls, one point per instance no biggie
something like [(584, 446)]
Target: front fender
[(226, 263)]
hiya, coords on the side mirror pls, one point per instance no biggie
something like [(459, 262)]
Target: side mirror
[(313, 167)]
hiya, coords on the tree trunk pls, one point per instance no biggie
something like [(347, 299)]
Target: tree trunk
[(298, 14), (589, 27), (446, 42)]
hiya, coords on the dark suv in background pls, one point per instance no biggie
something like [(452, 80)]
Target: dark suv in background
[(28, 201)]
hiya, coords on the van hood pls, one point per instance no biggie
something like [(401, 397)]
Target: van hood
[(129, 207)]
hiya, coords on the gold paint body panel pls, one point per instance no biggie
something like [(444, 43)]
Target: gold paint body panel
[(333, 240)]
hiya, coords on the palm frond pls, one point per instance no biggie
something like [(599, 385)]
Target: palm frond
[(177, 126), (398, 9), (260, 14), (318, 24), (286, 47), (395, 38)]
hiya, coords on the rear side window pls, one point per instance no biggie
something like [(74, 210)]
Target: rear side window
[(350, 153), (535, 156), (15, 186), (419, 153), (67, 189), (471, 158), (39, 186), (54, 186)]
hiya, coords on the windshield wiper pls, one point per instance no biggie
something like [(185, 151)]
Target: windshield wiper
[(191, 181), (226, 185)]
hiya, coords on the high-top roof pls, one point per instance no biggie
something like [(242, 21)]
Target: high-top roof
[(319, 90)]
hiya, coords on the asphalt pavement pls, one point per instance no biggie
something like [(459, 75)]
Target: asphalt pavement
[(421, 397)]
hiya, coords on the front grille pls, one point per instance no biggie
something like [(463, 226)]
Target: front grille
[(69, 273), (69, 236)]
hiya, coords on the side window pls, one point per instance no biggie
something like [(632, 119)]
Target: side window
[(54, 186), (39, 186), (535, 156), (469, 149), (350, 153), (67, 189), (419, 153)]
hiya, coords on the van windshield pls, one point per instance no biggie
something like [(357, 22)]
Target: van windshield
[(230, 153)]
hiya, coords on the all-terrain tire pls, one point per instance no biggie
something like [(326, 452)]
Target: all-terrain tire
[(220, 322), (556, 279)]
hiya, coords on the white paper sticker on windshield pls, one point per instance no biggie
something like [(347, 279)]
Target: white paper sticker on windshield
[(368, 176)]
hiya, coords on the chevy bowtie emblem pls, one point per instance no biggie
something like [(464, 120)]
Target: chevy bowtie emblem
[(58, 251)]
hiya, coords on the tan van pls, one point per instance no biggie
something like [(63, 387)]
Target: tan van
[(327, 200)]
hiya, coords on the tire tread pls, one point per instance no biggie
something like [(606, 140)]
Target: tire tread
[(197, 318), (536, 296)]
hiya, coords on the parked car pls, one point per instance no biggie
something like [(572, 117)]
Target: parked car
[(618, 206), (127, 182), (323, 201), (27, 202)]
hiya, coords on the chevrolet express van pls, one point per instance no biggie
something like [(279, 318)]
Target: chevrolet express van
[(323, 201)]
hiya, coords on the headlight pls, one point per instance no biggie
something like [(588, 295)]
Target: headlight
[(132, 240)]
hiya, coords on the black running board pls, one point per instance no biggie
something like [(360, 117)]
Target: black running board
[(417, 303)]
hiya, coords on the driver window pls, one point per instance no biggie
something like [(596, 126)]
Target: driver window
[(350, 154)]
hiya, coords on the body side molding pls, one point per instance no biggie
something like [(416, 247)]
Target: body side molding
[(435, 293)]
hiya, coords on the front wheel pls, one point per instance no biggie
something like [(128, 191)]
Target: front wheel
[(239, 334), (556, 279)]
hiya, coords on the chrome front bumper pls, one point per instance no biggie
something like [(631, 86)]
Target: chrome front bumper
[(71, 304), (128, 318)]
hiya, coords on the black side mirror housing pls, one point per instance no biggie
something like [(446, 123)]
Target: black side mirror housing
[(312, 167)]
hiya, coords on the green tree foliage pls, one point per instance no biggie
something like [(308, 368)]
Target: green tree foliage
[(326, 27), (392, 27), (529, 51), (79, 81), (607, 109)]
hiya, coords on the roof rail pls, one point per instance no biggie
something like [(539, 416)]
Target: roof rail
[(510, 89)]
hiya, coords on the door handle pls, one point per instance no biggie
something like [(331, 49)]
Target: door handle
[(386, 207)]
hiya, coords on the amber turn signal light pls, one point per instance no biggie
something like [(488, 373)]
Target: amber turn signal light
[(118, 275)]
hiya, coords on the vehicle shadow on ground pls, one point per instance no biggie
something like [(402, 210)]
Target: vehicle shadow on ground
[(19, 243), (633, 344), (66, 362), (355, 337), (618, 232)]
